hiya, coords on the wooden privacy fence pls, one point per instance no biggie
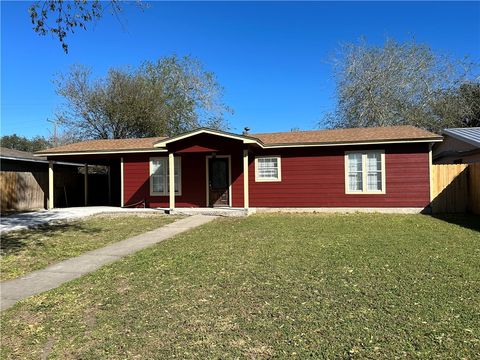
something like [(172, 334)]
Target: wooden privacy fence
[(22, 190), (474, 188), (455, 188)]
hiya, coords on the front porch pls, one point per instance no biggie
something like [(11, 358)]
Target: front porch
[(210, 211), (209, 172)]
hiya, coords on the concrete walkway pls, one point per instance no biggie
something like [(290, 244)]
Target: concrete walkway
[(22, 221), (54, 275)]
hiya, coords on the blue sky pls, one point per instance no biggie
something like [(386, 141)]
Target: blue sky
[(271, 57)]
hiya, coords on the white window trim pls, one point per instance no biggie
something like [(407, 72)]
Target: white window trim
[(279, 162), (364, 191), (166, 192)]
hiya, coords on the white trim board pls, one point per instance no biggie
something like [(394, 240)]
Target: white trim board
[(245, 139), (276, 146), (102, 152)]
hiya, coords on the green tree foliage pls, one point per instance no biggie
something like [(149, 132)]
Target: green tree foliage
[(400, 84), (161, 98), (60, 18), (24, 144)]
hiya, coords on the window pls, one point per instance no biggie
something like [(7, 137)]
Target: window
[(159, 176), (268, 168), (365, 172)]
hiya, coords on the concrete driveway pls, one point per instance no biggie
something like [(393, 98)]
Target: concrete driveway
[(33, 219)]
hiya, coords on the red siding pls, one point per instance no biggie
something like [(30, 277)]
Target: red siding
[(136, 173), (311, 177), (315, 177)]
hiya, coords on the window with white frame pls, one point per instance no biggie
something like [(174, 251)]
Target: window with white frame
[(268, 168), (365, 172), (159, 176)]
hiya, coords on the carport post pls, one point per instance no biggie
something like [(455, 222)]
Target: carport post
[(109, 185), (171, 180), (86, 184), (50, 203)]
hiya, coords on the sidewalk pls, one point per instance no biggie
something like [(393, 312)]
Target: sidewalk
[(54, 275)]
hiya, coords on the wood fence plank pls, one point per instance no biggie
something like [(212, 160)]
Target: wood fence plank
[(474, 188), (21, 190), (450, 184)]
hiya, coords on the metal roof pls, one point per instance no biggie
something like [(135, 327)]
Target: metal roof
[(468, 135)]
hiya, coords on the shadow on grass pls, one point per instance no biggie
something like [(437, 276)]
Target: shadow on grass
[(14, 241), (468, 221)]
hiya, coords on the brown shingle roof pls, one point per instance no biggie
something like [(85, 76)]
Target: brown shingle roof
[(358, 135), (391, 133), (105, 145)]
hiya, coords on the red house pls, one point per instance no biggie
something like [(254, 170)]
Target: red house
[(386, 167)]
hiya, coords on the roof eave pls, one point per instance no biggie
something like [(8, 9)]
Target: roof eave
[(349, 143), (23, 159), (39, 161), (100, 152)]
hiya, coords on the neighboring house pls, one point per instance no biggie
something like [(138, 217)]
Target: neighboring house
[(386, 167), (459, 146), (15, 160), (24, 181)]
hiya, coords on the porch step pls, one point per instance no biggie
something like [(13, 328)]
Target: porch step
[(210, 211)]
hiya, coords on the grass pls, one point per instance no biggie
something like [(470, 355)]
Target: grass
[(28, 250), (271, 286)]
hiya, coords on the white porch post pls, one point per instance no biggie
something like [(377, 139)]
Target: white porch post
[(122, 199), (245, 180), (171, 180), (86, 184), (430, 163), (50, 203)]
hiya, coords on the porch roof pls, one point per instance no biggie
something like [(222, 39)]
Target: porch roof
[(335, 137)]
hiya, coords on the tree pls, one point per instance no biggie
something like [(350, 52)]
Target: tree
[(460, 106), (470, 95), (23, 144), (60, 17), (161, 98), (402, 83)]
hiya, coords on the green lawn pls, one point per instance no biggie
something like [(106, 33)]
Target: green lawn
[(283, 286), (28, 250)]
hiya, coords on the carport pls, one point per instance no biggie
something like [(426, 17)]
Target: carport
[(99, 188)]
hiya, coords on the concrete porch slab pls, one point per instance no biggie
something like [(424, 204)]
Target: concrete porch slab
[(218, 211)]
